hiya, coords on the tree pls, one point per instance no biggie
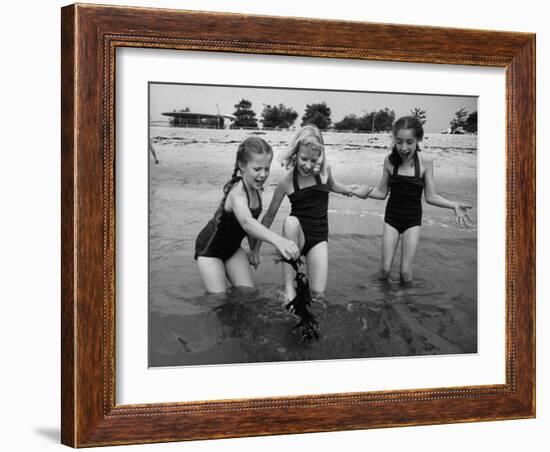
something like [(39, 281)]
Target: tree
[(459, 119), (278, 116), (350, 122), (419, 114), (245, 116), (365, 123), (471, 123), (383, 120), (317, 114)]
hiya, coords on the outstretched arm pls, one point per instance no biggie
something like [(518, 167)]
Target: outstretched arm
[(371, 191), (239, 205), (460, 209), (272, 210), (278, 196), (336, 187)]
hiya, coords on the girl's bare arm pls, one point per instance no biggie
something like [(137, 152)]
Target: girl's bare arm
[(239, 206), (269, 217), (335, 186), (462, 217), (278, 196), (380, 192)]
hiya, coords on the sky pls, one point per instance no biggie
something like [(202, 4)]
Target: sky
[(208, 99)]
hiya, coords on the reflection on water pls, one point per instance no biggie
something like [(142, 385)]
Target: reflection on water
[(253, 326)]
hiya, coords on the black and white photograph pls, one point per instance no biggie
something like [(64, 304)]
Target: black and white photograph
[(293, 224)]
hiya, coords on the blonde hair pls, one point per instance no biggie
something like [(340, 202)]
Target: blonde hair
[(311, 137)]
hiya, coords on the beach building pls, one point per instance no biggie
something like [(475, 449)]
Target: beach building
[(201, 120)]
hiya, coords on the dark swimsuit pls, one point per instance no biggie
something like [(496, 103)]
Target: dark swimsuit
[(310, 206), (404, 208), (224, 241)]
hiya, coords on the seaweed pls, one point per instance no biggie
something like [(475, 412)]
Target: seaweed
[(299, 306)]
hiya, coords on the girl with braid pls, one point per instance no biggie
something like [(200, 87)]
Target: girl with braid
[(218, 248)]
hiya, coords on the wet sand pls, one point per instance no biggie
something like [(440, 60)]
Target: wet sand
[(363, 317)]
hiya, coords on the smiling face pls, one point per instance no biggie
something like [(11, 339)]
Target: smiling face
[(308, 160), (256, 171), (406, 143)]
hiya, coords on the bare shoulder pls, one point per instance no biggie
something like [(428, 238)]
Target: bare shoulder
[(425, 159), (387, 164), (326, 174), (236, 193), (286, 181), (426, 162)]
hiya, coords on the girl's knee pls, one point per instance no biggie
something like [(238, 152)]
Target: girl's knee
[(291, 226), (291, 223)]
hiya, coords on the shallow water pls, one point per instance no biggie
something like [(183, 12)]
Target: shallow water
[(362, 316), (358, 320)]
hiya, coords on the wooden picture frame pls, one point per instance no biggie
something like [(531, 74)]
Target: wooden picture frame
[(90, 36)]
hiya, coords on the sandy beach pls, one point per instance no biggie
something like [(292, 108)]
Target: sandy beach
[(362, 317)]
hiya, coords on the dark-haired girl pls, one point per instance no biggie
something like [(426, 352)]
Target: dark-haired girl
[(405, 175), (218, 248)]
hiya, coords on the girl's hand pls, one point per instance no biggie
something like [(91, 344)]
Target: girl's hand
[(353, 190), (462, 218), (362, 191), (254, 259), (288, 249)]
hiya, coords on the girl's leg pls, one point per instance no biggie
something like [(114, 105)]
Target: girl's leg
[(317, 269), (390, 239), (408, 250), (212, 272), (238, 269), (292, 230)]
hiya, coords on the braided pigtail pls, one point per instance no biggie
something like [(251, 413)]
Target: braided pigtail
[(212, 226), (227, 188)]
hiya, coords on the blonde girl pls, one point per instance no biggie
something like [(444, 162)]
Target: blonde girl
[(307, 185)]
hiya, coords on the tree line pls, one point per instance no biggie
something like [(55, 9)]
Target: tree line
[(319, 114)]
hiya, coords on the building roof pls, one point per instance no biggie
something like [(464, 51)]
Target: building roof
[(191, 115)]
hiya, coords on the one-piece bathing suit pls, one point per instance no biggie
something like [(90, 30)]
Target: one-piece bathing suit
[(224, 241), (404, 208), (310, 206)]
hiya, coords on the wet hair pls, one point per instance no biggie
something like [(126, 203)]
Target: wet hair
[(406, 122), (251, 145), (309, 136)]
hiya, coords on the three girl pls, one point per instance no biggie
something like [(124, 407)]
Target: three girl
[(405, 175), (218, 248)]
